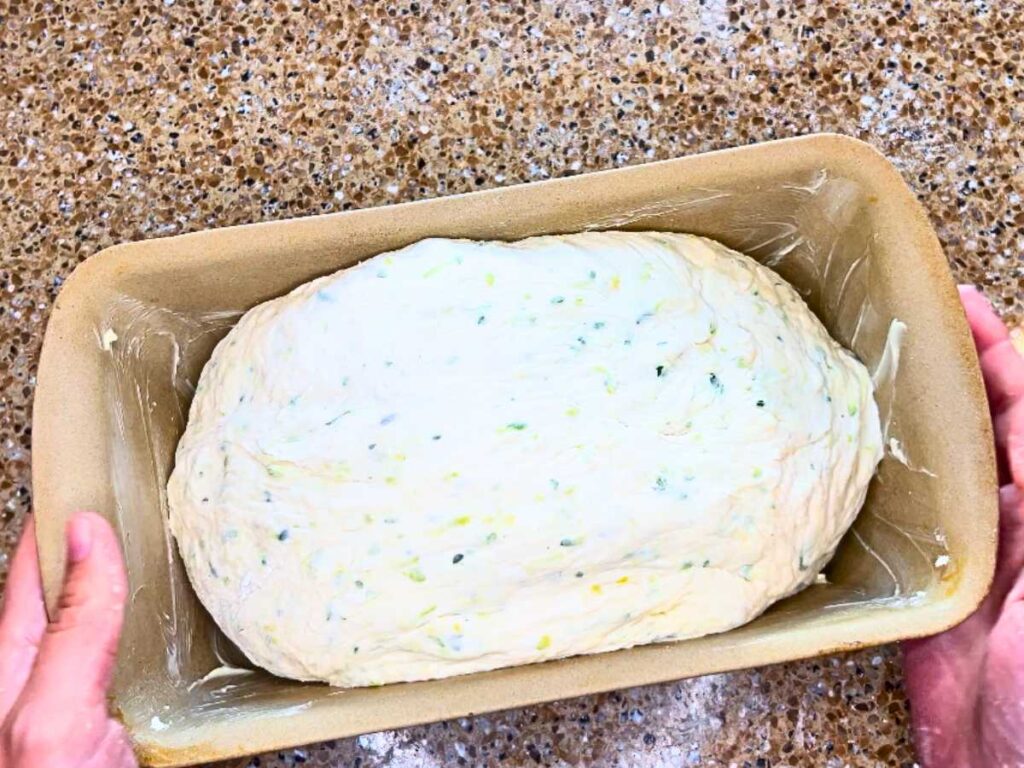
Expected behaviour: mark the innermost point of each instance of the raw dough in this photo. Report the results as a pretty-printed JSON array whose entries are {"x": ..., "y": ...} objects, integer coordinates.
[{"x": 468, "y": 455}]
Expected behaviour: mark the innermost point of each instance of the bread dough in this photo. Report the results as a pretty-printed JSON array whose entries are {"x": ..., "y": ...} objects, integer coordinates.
[{"x": 468, "y": 455}]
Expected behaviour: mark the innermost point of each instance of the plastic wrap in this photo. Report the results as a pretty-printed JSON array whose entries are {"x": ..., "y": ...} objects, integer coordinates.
[{"x": 181, "y": 684}]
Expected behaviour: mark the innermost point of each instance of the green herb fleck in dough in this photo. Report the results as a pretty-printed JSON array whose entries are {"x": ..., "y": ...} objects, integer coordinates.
[
  {"x": 336, "y": 418},
  {"x": 415, "y": 574}
]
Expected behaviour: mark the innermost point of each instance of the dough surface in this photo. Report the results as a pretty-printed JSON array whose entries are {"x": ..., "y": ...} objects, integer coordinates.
[{"x": 465, "y": 455}]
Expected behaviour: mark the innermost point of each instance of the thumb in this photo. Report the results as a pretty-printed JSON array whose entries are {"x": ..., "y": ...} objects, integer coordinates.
[{"x": 76, "y": 656}]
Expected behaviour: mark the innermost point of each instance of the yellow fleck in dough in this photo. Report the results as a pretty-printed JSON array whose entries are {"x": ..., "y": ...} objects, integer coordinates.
[{"x": 489, "y": 454}]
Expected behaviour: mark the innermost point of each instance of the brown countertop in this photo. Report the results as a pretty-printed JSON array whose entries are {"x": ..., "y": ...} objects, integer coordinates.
[{"x": 121, "y": 123}]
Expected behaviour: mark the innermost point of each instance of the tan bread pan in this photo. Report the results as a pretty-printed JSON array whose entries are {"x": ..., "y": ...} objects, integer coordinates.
[{"x": 133, "y": 326}]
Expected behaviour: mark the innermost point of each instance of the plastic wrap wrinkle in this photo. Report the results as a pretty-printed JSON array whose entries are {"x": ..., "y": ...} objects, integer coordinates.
[
  {"x": 895, "y": 449},
  {"x": 884, "y": 378},
  {"x": 155, "y": 351},
  {"x": 693, "y": 198},
  {"x": 897, "y": 590}
]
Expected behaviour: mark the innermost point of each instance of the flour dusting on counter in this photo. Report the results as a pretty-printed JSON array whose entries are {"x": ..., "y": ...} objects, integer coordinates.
[{"x": 463, "y": 456}]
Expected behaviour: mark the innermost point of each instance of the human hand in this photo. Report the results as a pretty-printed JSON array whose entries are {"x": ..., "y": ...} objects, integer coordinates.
[
  {"x": 54, "y": 676},
  {"x": 966, "y": 685}
]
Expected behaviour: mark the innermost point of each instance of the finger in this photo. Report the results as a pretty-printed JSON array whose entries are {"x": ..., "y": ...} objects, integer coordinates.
[
  {"x": 113, "y": 751},
  {"x": 1003, "y": 368},
  {"x": 1010, "y": 559},
  {"x": 24, "y": 615},
  {"x": 937, "y": 671},
  {"x": 1001, "y": 715},
  {"x": 1009, "y": 429},
  {"x": 1001, "y": 363},
  {"x": 1011, "y": 541},
  {"x": 76, "y": 655},
  {"x": 23, "y": 620},
  {"x": 985, "y": 324}
]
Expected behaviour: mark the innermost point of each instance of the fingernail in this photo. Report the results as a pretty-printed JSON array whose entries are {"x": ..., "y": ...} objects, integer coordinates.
[
  {"x": 964, "y": 287},
  {"x": 79, "y": 537}
]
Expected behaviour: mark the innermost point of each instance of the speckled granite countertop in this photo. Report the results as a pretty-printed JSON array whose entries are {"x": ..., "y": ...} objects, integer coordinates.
[{"x": 125, "y": 122}]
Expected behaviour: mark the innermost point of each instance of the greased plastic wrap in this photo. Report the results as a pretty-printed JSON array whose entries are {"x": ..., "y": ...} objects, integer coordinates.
[
  {"x": 826, "y": 213},
  {"x": 836, "y": 286}
]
